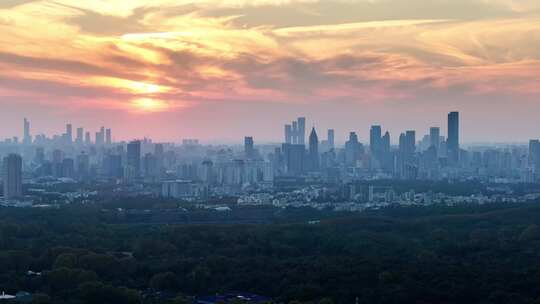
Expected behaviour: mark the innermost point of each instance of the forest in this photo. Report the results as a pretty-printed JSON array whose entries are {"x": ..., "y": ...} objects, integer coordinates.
[{"x": 437, "y": 254}]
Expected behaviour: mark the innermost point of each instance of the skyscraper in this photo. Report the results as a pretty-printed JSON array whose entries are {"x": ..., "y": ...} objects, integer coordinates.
[
  {"x": 434, "y": 137},
  {"x": 452, "y": 142},
  {"x": 331, "y": 138},
  {"x": 353, "y": 150},
  {"x": 133, "y": 169},
  {"x": 313, "y": 150},
  {"x": 249, "y": 151},
  {"x": 294, "y": 157},
  {"x": 295, "y": 132},
  {"x": 87, "y": 139},
  {"x": 301, "y": 130},
  {"x": 12, "y": 176},
  {"x": 27, "y": 138},
  {"x": 410, "y": 140},
  {"x": 80, "y": 135},
  {"x": 288, "y": 134},
  {"x": 385, "y": 142},
  {"x": 69, "y": 133},
  {"x": 83, "y": 166},
  {"x": 375, "y": 141},
  {"x": 534, "y": 154},
  {"x": 100, "y": 137},
  {"x": 108, "y": 136}
]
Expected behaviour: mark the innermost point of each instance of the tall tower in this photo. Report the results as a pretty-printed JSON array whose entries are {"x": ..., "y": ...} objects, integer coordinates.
[
  {"x": 295, "y": 132},
  {"x": 288, "y": 134},
  {"x": 133, "y": 160},
  {"x": 249, "y": 151},
  {"x": 301, "y": 122},
  {"x": 375, "y": 135},
  {"x": 434, "y": 137},
  {"x": 108, "y": 137},
  {"x": 87, "y": 139},
  {"x": 452, "y": 141},
  {"x": 12, "y": 176},
  {"x": 534, "y": 153},
  {"x": 80, "y": 135},
  {"x": 331, "y": 138},
  {"x": 27, "y": 138},
  {"x": 313, "y": 150},
  {"x": 69, "y": 133},
  {"x": 410, "y": 139}
]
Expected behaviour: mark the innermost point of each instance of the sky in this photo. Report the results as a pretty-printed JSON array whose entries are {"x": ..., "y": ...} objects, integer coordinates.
[{"x": 221, "y": 70}]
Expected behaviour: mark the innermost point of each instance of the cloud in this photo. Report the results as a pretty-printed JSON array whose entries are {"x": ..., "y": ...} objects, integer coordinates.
[
  {"x": 109, "y": 54},
  {"x": 7, "y": 4}
]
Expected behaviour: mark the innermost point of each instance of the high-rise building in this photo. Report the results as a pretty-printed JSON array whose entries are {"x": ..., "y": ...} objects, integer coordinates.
[
  {"x": 100, "y": 137},
  {"x": 434, "y": 137},
  {"x": 108, "y": 136},
  {"x": 12, "y": 176},
  {"x": 112, "y": 166},
  {"x": 452, "y": 141},
  {"x": 133, "y": 169},
  {"x": 407, "y": 143},
  {"x": 150, "y": 165},
  {"x": 375, "y": 135},
  {"x": 353, "y": 150},
  {"x": 387, "y": 160},
  {"x": 534, "y": 154},
  {"x": 39, "y": 157},
  {"x": 27, "y": 138},
  {"x": 69, "y": 133},
  {"x": 68, "y": 167},
  {"x": 313, "y": 151},
  {"x": 249, "y": 150},
  {"x": 288, "y": 134},
  {"x": 294, "y": 157},
  {"x": 301, "y": 122},
  {"x": 80, "y": 136},
  {"x": 83, "y": 166},
  {"x": 331, "y": 138},
  {"x": 87, "y": 138},
  {"x": 410, "y": 139},
  {"x": 385, "y": 142},
  {"x": 295, "y": 133}
]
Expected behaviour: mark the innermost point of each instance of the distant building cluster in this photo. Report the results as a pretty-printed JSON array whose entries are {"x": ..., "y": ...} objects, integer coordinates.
[{"x": 193, "y": 171}]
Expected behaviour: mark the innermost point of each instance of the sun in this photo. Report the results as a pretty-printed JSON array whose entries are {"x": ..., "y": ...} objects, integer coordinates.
[
  {"x": 146, "y": 88},
  {"x": 149, "y": 105}
]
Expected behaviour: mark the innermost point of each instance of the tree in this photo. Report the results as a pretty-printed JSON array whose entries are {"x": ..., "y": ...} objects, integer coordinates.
[{"x": 167, "y": 281}]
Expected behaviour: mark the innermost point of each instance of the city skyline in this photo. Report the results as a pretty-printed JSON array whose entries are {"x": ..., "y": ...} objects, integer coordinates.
[
  {"x": 294, "y": 133},
  {"x": 165, "y": 69}
]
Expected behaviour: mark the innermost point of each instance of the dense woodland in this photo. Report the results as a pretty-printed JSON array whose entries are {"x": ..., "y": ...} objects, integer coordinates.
[{"x": 463, "y": 254}]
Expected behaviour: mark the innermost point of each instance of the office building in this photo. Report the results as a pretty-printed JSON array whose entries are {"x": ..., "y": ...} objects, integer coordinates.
[
  {"x": 80, "y": 136},
  {"x": 249, "y": 151},
  {"x": 108, "y": 137},
  {"x": 331, "y": 139},
  {"x": 288, "y": 134},
  {"x": 434, "y": 137},
  {"x": 12, "y": 176},
  {"x": 452, "y": 141},
  {"x": 69, "y": 134},
  {"x": 27, "y": 138},
  {"x": 133, "y": 166},
  {"x": 301, "y": 122},
  {"x": 313, "y": 151}
]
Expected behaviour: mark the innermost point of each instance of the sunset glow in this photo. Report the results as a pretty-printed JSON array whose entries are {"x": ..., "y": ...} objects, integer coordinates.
[
  {"x": 382, "y": 58},
  {"x": 149, "y": 105}
]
